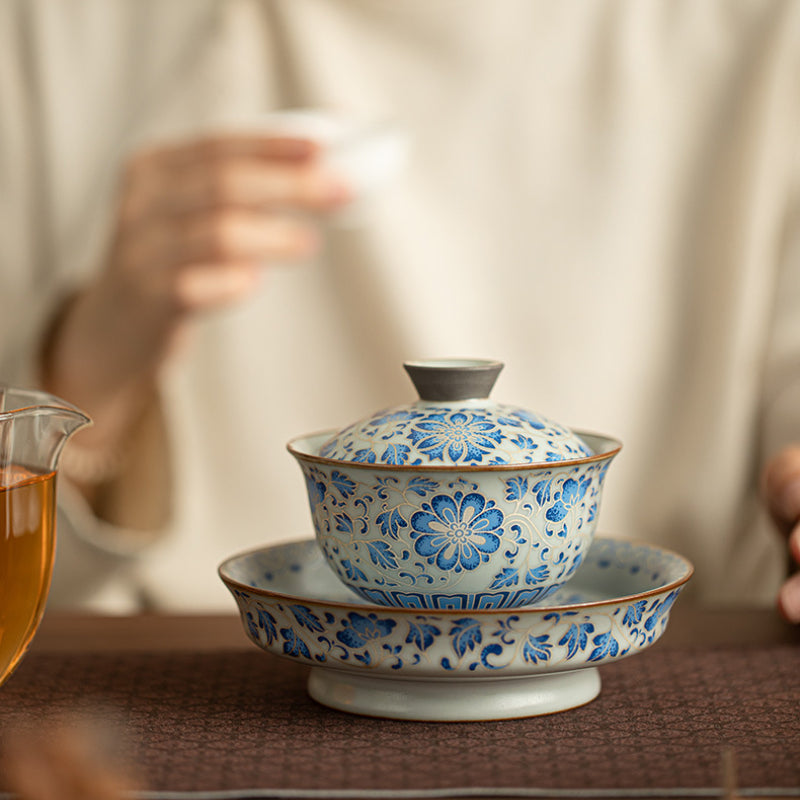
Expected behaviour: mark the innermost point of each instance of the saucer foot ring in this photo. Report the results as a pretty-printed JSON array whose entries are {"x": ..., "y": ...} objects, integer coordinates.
[{"x": 454, "y": 700}]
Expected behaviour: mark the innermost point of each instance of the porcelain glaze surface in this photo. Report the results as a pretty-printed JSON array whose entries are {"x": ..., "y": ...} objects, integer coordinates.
[
  {"x": 426, "y": 537},
  {"x": 292, "y": 605},
  {"x": 475, "y": 432},
  {"x": 454, "y": 501},
  {"x": 619, "y": 603}
]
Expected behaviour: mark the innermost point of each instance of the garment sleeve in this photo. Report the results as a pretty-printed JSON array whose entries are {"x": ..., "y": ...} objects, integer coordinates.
[
  {"x": 43, "y": 260},
  {"x": 94, "y": 559},
  {"x": 98, "y": 548}
]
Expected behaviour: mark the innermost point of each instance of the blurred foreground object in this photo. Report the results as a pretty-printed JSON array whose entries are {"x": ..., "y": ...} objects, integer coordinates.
[{"x": 71, "y": 759}]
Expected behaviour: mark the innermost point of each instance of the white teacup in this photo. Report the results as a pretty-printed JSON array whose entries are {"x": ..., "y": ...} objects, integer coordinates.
[{"x": 368, "y": 155}]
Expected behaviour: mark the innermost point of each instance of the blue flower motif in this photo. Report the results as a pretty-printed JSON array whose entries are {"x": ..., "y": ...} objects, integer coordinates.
[
  {"x": 316, "y": 489},
  {"x": 508, "y": 577},
  {"x": 345, "y": 485},
  {"x": 344, "y": 523},
  {"x": 606, "y": 646},
  {"x": 422, "y": 635},
  {"x": 524, "y": 442},
  {"x": 536, "y": 649},
  {"x": 267, "y": 623},
  {"x": 659, "y": 610},
  {"x": 542, "y": 491},
  {"x": 537, "y": 575},
  {"x": 359, "y": 631},
  {"x": 352, "y": 572},
  {"x": 382, "y": 555},
  {"x": 293, "y": 645},
  {"x": 466, "y": 635},
  {"x": 422, "y": 486},
  {"x": 576, "y": 638},
  {"x": 251, "y": 626},
  {"x": 306, "y": 618},
  {"x": 571, "y": 495},
  {"x": 396, "y": 454},
  {"x": 633, "y": 614},
  {"x": 391, "y": 521},
  {"x": 516, "y": 488},
  {"x": 465, "y": 437},
  {"x": 457, "y": 532}
]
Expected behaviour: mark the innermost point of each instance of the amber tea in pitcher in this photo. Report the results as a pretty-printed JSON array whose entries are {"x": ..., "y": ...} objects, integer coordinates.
[
  {"x": 26, "y": 557},
  {"x": 34, "y": 427}
]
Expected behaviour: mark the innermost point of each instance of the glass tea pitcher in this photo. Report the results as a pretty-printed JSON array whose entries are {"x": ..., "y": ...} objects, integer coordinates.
[{"x": 34, "y": 426}]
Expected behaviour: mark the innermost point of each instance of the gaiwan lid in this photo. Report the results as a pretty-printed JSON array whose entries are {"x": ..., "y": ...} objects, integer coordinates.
[{"x": 454, "y": 423}]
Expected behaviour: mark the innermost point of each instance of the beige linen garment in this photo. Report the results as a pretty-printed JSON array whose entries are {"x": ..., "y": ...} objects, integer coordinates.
[{"x": 603, "y": 195}]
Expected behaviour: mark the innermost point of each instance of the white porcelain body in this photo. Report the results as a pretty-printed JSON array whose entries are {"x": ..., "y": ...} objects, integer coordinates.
[
  {"x": 464, "y": 537},
  {"x": 451, "y": 665}
]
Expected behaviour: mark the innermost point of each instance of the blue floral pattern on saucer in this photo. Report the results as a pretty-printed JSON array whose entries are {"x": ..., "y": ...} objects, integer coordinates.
[{"x": 292, "y": 605}]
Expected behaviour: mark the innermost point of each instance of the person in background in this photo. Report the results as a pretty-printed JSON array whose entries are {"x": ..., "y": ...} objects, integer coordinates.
[{"x": 603, "y": 196}]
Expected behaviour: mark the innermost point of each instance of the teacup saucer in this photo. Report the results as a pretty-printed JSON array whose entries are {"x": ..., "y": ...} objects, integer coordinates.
[{"x": 456, "y": 665}]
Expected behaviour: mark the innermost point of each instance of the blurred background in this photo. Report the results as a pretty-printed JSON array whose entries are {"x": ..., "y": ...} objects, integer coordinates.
[{"x": 604, "y": 196}]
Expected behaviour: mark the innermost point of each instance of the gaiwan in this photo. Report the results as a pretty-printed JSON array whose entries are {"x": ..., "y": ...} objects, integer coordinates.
[{"x": 455, "y": 500}]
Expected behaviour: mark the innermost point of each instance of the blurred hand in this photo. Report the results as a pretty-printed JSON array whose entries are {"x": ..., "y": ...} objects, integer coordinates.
[
  {"x": 781, "y": 489},
  {"x": 62, "y": 762},
  {"x": 197, "y": 223}
]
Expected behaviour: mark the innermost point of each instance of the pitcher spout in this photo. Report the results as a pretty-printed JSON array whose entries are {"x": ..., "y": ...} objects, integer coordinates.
[{"x": 34, "y": 427}]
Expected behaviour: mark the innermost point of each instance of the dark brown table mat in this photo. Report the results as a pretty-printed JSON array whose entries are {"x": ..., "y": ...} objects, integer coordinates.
[{"x": 237, "y": 724}]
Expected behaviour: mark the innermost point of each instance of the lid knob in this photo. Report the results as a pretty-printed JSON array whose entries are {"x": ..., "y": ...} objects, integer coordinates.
[{"x": 453, "y": 379}]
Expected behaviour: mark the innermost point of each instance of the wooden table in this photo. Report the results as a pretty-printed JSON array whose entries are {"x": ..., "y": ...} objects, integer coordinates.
[{"x": 713, "y": 709}]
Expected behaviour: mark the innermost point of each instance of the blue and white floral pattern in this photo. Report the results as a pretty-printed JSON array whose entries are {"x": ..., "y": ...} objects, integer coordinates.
[
  {"x": 485, "y": 433},
  {"x": 456, "y": 437},
  {"x": 281, "y": 595},
  {"x": 422, "y": 538},
  {"x": 457, "y": 532}
]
